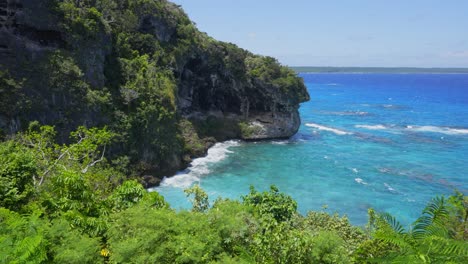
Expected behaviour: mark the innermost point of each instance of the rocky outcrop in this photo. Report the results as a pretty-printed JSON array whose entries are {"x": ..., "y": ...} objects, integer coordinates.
[{"x": 262, "y": 109}]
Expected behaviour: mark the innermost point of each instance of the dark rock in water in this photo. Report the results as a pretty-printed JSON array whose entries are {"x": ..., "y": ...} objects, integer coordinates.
[
  {"x": 150, "y": 180},
  {"x": 145, "y": 71}
]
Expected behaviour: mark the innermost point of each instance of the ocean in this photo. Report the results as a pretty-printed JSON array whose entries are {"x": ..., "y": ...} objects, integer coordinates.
[{"x": 385, "y": 141}]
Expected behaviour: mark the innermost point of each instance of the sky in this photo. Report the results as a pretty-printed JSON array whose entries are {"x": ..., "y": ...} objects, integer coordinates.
[{"x": 366, "y": 33}]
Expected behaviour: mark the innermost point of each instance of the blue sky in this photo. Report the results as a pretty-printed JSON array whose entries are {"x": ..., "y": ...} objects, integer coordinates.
[{"x": 410, "y": 33}]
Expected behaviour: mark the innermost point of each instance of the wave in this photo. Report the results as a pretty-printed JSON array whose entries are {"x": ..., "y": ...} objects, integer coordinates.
[
  {"x": 282, "y": 142},
  {"x": 348, "y": 113},
  {"x": 372, "y": 127},
  {"x": 390, "y": 188},
  {"x": 360, "y": 181},
  {"x": 329, "y": 129},
  {"x": 436, "y": 129},
  {"x": 393, "y": 107},
  {"x": 200, "y": 166},
  {"x": 422, "y": 129}
]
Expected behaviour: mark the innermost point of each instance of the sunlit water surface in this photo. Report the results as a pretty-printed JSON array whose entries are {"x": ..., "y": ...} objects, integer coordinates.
[{"x": 386, "y": 141}]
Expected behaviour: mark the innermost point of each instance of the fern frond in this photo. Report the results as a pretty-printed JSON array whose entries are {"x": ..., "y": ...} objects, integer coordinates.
[
  {"x": 395, "y": 239},
  {"x": 392, "y": 222},
  {"x": 437, "y": 210},
  {"x": 450, "y": 247},
  {"x": 432, "y": 221}
]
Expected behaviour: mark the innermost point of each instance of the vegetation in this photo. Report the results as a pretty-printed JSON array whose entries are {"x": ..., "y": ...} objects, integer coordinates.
[{"x": 69, "y": 204}]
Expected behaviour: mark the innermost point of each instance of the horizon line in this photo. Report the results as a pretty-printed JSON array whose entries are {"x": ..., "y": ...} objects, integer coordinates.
[{"x": 385, "y": 67}]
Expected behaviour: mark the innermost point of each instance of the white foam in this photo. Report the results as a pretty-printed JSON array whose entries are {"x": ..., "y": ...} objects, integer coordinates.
[
  {"x": 436, "y": 129},
  {"x": 390, "y": 188},
  {"x": 355, "y": 170},
  {"x": 283, "y": 142},
  {"x": 200, "y": 166},
  {"x": 348, "y": 113},
  {"x": 372, "y": 127},
  {"x": 413, "y": 128},
  {"x": 329, "y": 129},
  {"x": 361, "y": 113},
  {"x": 360, "y": 181},
  {"x": 183, "y": 180}
]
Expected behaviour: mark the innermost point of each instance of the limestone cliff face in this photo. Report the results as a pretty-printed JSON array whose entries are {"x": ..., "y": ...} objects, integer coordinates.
[
  {"x": 142, "y": 69},
  {"x": 263, "y": 108}
]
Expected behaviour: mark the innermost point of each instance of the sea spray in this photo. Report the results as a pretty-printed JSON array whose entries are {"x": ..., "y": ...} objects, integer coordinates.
[{"x": 200, "y": 166}]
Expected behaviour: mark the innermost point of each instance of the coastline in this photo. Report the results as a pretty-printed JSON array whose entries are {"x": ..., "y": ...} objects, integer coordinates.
[{"x": 198, "y": 167}]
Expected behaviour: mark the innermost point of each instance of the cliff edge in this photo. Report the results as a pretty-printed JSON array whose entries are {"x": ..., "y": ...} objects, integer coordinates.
[{"x": 141, "y": 68}]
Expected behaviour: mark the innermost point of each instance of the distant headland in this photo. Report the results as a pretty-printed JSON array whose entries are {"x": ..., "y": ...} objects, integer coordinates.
[{"x": 317, "y": 69}]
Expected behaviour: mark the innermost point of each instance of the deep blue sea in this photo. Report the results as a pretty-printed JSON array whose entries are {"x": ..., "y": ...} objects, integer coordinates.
[{"x": 386, "y": 141}]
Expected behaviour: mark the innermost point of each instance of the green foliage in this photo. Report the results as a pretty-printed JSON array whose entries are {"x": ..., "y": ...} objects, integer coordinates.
[
  {"x": 128, "y": 194},
  {"x": 80, "y": 20},
  {"x": 328, "y": 247},
  {"x": 324, "y": 222},
  {"x": 74, "y": 219},
  {"x": 21, "y": 238},
  {"x": 235, "y": 224},
  {"x": 17, "y": 172},
  {"x": 427, "y": 241},
  {"x": 65, "y": 76},
  {"x": 154, "y": 200},
  {"x": 12, "y": 99},
  {"x": 248, "y": 130},
  {"x": 68, "y": 245},
  {"x": 193, "y": 145},
  {"x": 161, "y": 236},
  {"x": 457, "y": 222},
  {"x": 217, "y": 128},
  {"x": 279, "y": 206},
  {"x": 268, "y": 70},
  {"x": 263, "y": 68},
  {"x": 87, "y": 151},
  {"x": 199, "y": 201}
]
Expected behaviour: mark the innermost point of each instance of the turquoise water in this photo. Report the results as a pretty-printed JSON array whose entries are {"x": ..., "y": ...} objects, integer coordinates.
[{"x": 386, "y": 141}]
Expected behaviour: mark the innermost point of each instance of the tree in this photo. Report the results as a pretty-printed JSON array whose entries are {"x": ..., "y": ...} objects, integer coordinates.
[
  {"x": 273, "y": 203},
  {"x": 88, "y": 149},
  {"x": 199, "y": 201}
]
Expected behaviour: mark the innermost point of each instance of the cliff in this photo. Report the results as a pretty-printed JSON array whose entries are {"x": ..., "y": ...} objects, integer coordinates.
[{"x": 141, "y": 68}]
